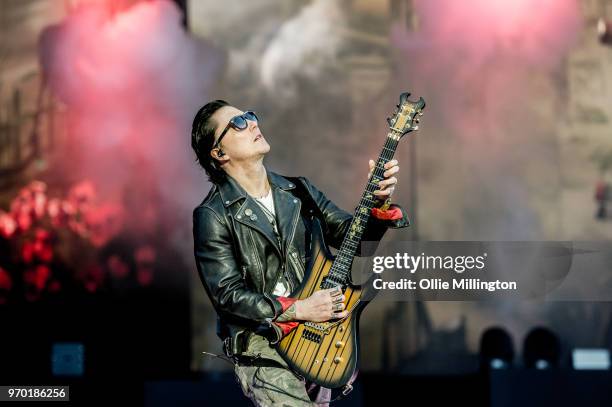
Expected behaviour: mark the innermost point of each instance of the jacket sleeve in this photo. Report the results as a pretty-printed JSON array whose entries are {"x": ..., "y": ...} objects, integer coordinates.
[
  {"x": 339, "y": 220},
  {"x": 221, "y": 275}
]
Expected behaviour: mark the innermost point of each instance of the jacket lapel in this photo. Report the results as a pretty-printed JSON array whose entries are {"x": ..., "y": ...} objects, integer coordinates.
[
  {"x": 287, "y": 208},
  {"x": 245, "y": 210},
  {"x": 249, "y": 213}
]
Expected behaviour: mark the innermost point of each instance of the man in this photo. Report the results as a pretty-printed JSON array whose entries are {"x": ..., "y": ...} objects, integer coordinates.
[{"x": 251, "y": 237}]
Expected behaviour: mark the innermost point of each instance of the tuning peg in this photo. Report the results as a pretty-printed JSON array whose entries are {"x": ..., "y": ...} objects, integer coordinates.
[
  {"x": 416, "y": 120},
  {"x": 389, "y": 121},
  {"x": 420, "y": 113},
  {"x": 415, "y": 128}
]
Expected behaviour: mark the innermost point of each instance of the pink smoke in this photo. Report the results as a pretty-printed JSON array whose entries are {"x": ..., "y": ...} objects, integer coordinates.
[
  {"x": 132, "y": 82},
  {"x": 535, "y": 32},
  {"x": 479, "y": 51}
]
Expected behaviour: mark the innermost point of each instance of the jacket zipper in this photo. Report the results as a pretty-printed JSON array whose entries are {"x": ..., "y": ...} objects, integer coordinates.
[
  {"x": 258, "y": 261},
  {"x": 285, "y": 267},
  {"x": 298, "y": 264},
  {"x": 290, "y": 255}
]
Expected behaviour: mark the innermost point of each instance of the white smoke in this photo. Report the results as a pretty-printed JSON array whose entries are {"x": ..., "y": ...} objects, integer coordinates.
[{"x": 305, "y": 45}]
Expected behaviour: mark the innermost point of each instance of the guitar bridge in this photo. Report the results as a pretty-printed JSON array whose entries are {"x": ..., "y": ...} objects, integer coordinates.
[{"x": 311, "y": 336}]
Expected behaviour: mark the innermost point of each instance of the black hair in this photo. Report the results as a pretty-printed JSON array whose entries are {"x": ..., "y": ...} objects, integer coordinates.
[{"x": 203, "y": 138}]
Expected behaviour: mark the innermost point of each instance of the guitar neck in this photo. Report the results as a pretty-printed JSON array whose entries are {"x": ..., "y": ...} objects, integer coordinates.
[{"x": 341, "y": 268}]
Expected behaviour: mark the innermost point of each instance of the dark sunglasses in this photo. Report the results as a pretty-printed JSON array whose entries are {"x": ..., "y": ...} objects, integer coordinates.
[{"x": 237, "y": 123}]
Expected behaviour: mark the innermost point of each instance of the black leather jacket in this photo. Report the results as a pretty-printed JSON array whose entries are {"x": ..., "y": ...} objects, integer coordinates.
[{"x": 239, "y": 259}]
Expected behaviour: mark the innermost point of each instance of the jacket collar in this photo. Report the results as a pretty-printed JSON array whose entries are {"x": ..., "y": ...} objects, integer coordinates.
[{"x": 231, "y": 191}]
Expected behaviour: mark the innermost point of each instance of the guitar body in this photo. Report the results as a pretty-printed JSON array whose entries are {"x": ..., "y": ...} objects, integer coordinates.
[{"x": 324, "y": 352}]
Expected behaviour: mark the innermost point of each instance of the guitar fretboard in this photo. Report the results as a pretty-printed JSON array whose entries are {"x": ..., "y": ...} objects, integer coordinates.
[{"x": 340, "y": 270}]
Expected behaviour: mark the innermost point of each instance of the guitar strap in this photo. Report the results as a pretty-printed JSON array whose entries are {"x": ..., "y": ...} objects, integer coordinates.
[{"x": 308, "y": 203}]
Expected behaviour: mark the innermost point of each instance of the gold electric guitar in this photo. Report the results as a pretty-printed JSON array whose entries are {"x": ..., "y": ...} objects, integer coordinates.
[{"x": 326, "y": 352}]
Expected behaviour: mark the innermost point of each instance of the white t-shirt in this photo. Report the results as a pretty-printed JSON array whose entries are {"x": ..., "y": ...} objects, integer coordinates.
[{"x": 281, "y": 288}]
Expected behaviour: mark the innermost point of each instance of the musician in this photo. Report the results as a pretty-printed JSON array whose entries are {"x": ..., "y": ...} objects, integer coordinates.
[{"x": 251, "y": 237}]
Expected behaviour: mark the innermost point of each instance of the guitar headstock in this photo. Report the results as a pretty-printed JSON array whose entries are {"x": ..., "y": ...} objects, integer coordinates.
[{"x": 406, "y": 117}]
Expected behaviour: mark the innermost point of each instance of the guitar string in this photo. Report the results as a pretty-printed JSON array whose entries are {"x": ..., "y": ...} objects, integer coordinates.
[
  {"x": 344, "y": 252},
  {"x": 379, "y": 170},
  {"x": 387, "y": 153}
]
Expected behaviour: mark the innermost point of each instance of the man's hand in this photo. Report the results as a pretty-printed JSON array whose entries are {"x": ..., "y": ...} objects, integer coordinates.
[
  {"x": 321, "y": 306},
  {"x": 387, "y": 185}
]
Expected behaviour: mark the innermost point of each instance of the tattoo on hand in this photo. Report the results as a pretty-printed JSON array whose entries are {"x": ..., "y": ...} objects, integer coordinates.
[{"x": 288, "y": 315}]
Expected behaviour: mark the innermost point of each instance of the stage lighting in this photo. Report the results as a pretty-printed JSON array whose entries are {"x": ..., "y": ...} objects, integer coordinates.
[
  {"x": 496, "y": 349},
  {"x": 604, "y": 31},
  {"x": 67, "y": 359},
  {"x": 591, "y": 359},
  {"x": 541, "y": 349}
]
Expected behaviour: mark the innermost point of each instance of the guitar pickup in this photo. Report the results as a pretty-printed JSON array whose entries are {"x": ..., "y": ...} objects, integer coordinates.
[{"x": 329, "y": 282}]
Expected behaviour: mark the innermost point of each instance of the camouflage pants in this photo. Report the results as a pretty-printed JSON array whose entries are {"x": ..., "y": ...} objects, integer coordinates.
[{"x": 275, "y": 385}]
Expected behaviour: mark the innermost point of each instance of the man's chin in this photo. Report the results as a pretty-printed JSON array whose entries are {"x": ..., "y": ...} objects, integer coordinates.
[{"x": 264, "y": 148}]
